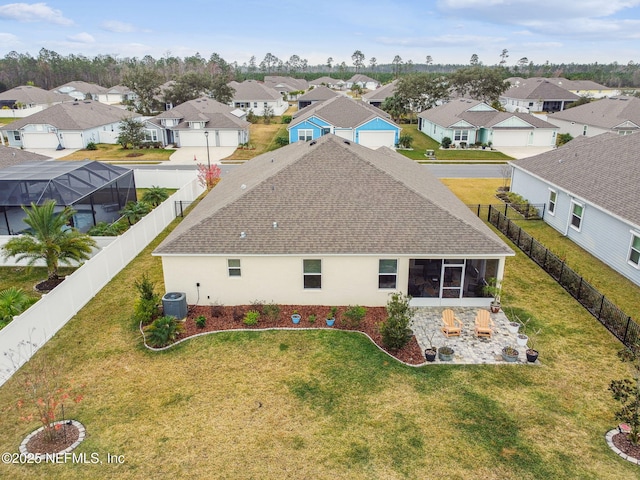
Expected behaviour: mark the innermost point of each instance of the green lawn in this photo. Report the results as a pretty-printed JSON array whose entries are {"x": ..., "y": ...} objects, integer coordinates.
[
  {"x": 329, "y": 404},
  {"x": 116, "y": 152}
]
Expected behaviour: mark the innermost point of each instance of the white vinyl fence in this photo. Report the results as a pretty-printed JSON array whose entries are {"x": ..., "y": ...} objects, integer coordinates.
[{"x": 28, "y": 332}]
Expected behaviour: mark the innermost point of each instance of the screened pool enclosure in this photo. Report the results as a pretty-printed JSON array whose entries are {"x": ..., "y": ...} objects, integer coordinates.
[{"x": 97, "y": 191}]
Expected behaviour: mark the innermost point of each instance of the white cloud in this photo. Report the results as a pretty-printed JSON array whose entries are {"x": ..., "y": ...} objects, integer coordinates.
[
  {"x": 8, "y": 39},
  {"x": 539, "y": 8},
  {"x": 83, "y": 37},
  {"x": 117, "y": 26},
  {"x": 33, "y": 12},
  {"x": 441, "y": 40}
]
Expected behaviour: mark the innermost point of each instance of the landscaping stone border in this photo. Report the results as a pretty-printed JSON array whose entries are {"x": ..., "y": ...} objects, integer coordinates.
[
  {"x": 82, "y": 432},
  {"x": 616, "y": 450}
]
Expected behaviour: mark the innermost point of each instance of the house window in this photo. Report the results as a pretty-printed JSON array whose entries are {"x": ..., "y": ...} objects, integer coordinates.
[
  {"x": 265, "y": 105},
  {"x": 531, "y": 104},
  {"x": 552, "y": 202},
  {"x": 387, "y": 273},
  {"x": 255, "y": 104},
  {"x": 305, "y": 135},
  {"x": 460, "y": 135},
  {"x": 325, "y": 131},
  {"x": 16, "y": 135},
  {"x": 312, "y": 270},
  {"x": 584, "y": 130},
  {"x": 634, "y": 254},
  {"x": 576, "y": 215},
  {"x": 150, "y": 136},
  {"x": 233, "y": 266}
]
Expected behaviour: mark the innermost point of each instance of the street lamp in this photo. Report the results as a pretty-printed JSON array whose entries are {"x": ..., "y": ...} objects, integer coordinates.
[{"x": 206, "y": 136}]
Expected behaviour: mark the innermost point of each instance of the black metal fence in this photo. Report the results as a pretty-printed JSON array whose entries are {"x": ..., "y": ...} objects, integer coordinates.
[
  {"x": 614, "y": 319},
  {"x": 180, "y": 206}
]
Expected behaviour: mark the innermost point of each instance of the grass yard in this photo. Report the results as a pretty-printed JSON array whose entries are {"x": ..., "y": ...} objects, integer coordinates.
[
  {"x": 262, "y": 139},
  {"x": 328, "y": 404},
  {"x": 116, "y": 152},
  {"x": 7, "y": 120},
  {"x": 422, "y": 142}
]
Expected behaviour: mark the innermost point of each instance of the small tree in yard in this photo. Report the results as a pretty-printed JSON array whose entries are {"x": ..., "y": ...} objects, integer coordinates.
[
  {"x": 147, "y": 306},
  {"x": 155, "y": 195},
  {"x": 627, "y": 392},
  {"x": 208, "y": 176},
  {"x": 268, "y": 114},
  {"x": 131, "y": 133},
  {"x": 395, "y": 329}
]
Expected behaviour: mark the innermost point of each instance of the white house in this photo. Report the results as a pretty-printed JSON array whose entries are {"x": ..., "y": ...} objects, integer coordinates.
[
  {"x": 117, "y": 94},
  {"x": 590, "y": 188},
  {"x": 582, "y": 88},
  {"x": 331, "y": 222},
  {"x": 255, "y": 96},
  {"x": 536, "y": 95},
  {"x": 362, "y": 81},
  {"x": 20, "y": 102},
  {"x": 79, "y": 90}
]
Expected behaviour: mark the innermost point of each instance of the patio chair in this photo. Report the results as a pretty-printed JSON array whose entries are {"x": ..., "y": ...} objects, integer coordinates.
[
  {"x": 484, "y": 324},
  {"x": 452, "y": 325}
]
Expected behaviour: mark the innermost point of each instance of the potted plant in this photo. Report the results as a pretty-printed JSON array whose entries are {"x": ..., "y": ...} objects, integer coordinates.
[
  {"x": 331, "y": 316},
  {"x": 494, "y": 289},
  {"x": 295, "y": 318},
  {"x": 522, "y": 338},
  {"x": 532, "y": 353},
  {"x": 513, "y": 327},
  {"x": 431, "y": 352},
  {"x": 445, "y": 353},
  {"x": 509, "y": 354}
]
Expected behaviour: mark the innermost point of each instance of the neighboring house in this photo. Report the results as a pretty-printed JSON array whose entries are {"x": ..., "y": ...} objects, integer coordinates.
[
  {"x": 331, "y": 223},
  {"x": 583, "y": 88},
  {"x": 68, "y": 125},
  {"x": 15, "y": 156},
  {"x": 469, "y": 122},
  {"x": 590, "y": 188},
  {"x": 188, "y": 125},
  {"x": 79, "y": 90},
  {"x": 255, "y": 96},
  {"x": 160, "y": 96},
  {"x": 325, "y": 81},
  {"x": 355, "y": 121},
  {"x": 362, "y": 81},
  {"x": 620, "y": 115},
  {"x": 379, "y": 95},
  {"x": 20, "y": 102},
  {"x": 96, "y": 191},
  {"x": 117, "y": 94},
  {"x": 286, "y": 85},
  {"x": 315, "y": 95},
  {"x": 536, "y": 95}
]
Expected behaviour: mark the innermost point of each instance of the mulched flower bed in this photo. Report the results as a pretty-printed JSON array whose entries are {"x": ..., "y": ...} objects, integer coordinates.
[
  {"x": 49, "y": 284},
  {"x": 63, "y": 438},
  {"x": 623, "y": 444},
  {"x": 231, "y": 317}
]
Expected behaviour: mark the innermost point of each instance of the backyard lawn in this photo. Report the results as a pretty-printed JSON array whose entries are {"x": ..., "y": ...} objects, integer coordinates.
[
  {"x": 108, "y": 152},
  {"x": 329, "y": 404},
  {"x": 262, "y": 140}
]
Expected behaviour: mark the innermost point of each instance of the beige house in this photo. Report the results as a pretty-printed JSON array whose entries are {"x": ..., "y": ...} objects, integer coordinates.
[{"x": 330, "y": 222}]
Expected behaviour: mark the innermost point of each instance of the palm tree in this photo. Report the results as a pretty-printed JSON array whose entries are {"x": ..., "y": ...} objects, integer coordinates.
[
  {"x": 13, "y": 301},
  {"x": 134, "y": 211},
  {"x": 155, "y": 195},
  {"x": 49, "y": 239}
]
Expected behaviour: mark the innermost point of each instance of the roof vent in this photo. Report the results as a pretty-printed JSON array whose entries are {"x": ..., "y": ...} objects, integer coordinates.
[
  {"x": 312, "y": 143},
  {"x": 243, "y": 186},
  {"x": 275, "y": 224},
  {"x": 243, "y": 235},
  {"x": 347, "y": 142}
]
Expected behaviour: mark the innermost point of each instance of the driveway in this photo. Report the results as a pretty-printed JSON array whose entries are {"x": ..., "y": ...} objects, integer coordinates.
[
  {"x": 523, "y": 152},
  {"x": 52, "y": 152},
  {"x": 186, "y": 155}
]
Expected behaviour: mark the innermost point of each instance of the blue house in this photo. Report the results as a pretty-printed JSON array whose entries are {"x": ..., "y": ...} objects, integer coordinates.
[{"x": 355, "y": 121}]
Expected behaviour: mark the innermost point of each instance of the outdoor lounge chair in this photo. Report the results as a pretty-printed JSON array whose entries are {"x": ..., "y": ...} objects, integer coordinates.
[
  {"x": 452, "y": 325},
  {"x": 484, "y": 324}
]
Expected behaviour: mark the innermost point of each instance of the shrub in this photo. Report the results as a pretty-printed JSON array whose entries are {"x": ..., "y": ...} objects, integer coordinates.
[
  {"x": 563, "y": 138},
  {"x": 395, "y": 329},
  {"x": 286, "y": 119},
  {"x": 201, "y": 321},
  {"x": 446, "y": 142},
  {"x": 91, "y": 146},
  {"x": 405, "y": 141},
  {"x": 251, "y": 318},
  {"x": 312, "y": 318},
  {"x": 147, "y": 306},
  {"x": 103, "y": 229},
  {"x": 217, "y": 310},
  {"x": 238, "y": 314},
  {"x": 354, "y": 315},
  {"x": 258, "y": 306},
  {"x": 282, "y": 141},
  {"x": 163, "y": 331},
  {"x": 271, "y": 311}
]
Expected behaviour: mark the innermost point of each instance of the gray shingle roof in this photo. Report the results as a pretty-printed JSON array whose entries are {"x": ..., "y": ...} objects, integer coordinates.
[
  {"x": 342, "y": 112},
  {"x": 206, "y": 109},
  {"x": 331, "y": 197},
  {"x": 326, "y": 80},
  {"x": 10, "y": 156},
  {"x": 604, "y": 170},
  {"x": 538, "y": 89},
  {"x": 74, "y": 116},
  {"x": 380, "y": 94},
  {"x": 605, "y": 113},
  {"x": 359, "y": 77},
  {"x": 30, "y": 95},
  {"x": 571, "y": 85},
  {"x": 83, "y": 87},
  {"x": 318, "y": 94},
  {"x": 253, "y": 91},
  {"x": 288, "y": 83}
]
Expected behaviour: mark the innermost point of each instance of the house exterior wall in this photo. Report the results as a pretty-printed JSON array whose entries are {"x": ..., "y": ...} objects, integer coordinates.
[
  {"x": 521, "y": 105},
  {"x": 315, "y": 124},
  {"x": 383, "y": 127},
  {"x": 217, "y": 138},
  {"x": 576, "y": 129},
  {"x": 602, "y": 234},
  {"x": 279, "y": 106}
]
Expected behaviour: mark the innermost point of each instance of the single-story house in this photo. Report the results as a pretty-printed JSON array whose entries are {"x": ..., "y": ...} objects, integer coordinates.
[
  {"x": 286, "y": 85},
  {"x": 117, "y": 94},
  {"x": 590, "y": 188},
  {"x": 379, "y": 95},
  {"x": 583, "y": 88},
  {"x": 96, "y": 191},
  {"x": 468, "y": 122},
  {"x": 325, "y": 81},
  {"x": 79, "y": 90},
  {"x": 20, "y": 102},
  {"x": 196, "y": 122},
  {"x": 10, "y": 156},
  {"x": 358, "y": 122},
  {"x": 296, "y": 226},
  {"x": 67, "y": 125},
  {"x": 536, "y": 95},
  {"x": 362, "y": 81},
  {"x": 620, "y": 115},
  {"x": 315, "y": 95},
  {"x": 255, "y": 96}
]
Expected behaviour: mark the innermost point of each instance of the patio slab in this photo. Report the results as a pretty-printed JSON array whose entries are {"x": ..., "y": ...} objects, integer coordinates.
[{"x": 468, "y": 349}]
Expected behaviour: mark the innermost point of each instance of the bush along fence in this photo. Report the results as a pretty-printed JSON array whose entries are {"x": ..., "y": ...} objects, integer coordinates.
[{"x": 613, "y": 318}]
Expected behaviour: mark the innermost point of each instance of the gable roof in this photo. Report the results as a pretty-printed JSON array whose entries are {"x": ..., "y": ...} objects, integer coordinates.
[
  {"x": 538, "y": 89},
  {"x": 606, "y": 113},
  {"x": 289, "y": 84},
  {"x": 214, "y": 113},
  {"x": 603, "y": 170},
  {"x": 318, "y": 94},
  {"x": 322, "y": 195},
  {"x": 571, "y": 85},
  {"x": 10, "y": 156},
  {"x": 326, "y": 80},
  {"x": 250, "y": 90},
  {"x": 74, "y": 116},
  {"x": 359, "y": 77},
  {"x": 31, "y": 95},
  {"x": 381, "y": 94},
  {"x": 80, "y": 86},
  {"x": 341, "y": 111}
]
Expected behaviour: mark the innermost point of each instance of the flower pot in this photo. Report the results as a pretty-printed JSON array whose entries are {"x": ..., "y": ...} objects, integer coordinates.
[
  {"x": 330, "y": 322},
  {"x": 532, "y": 355},
  {"x": 295, "y": 318},
  {"x": 445, "y": 355},
  {"x": 510, "y": 356},
  {"x": 494, "y": 307},
  {"x": 513, "y": 327},
  {"x": 430, "y": 355},
  {"x": 522, "y": 340}
]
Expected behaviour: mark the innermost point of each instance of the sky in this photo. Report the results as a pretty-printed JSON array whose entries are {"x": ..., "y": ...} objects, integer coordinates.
[{"x": 449, "y": 31}]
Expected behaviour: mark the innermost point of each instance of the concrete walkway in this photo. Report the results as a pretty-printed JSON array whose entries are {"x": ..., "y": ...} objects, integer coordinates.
[
  {"x": 185, "y": 155},
  {"x": 468, "y": 349}
]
